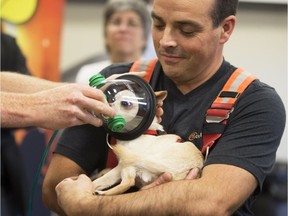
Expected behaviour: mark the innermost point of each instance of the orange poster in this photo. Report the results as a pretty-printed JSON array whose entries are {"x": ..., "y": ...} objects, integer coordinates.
[{"x": 37, "y": 25}]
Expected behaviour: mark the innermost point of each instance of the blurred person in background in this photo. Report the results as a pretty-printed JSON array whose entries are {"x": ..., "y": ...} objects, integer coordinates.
[{"x": 126, "y": 30}]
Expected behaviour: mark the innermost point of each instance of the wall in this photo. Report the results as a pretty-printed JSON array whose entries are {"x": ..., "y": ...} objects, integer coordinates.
[
  {"x": 258, "y": 44},
  {"x": 82, "y": 33}
]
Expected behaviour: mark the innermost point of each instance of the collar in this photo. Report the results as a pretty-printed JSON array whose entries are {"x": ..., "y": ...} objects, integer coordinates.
[
  {"x": 155, "y": 132},
  {"x": 158, "y": 133}
]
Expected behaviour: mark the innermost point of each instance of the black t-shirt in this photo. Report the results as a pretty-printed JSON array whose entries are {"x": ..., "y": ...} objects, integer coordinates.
[
  {"x": 12, "y": 58},
  {"x": 250, "y": 139}
]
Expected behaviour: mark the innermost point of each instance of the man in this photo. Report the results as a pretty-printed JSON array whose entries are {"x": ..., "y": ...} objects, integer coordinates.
[{"x": 189, "y": 36}]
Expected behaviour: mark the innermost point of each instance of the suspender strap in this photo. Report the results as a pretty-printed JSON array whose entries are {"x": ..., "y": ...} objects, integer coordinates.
[
  {"x": 137, "y": 66},
  {"x": 235, "y": 86},
  {"x": 223, "y": 105},
  {"x": 144, "y": 65}
]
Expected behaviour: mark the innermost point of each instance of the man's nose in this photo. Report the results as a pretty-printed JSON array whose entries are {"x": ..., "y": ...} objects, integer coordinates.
[{"x": 168, "y": 39}]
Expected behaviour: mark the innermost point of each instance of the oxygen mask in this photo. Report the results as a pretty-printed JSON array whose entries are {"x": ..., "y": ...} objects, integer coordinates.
[{"x": 134, "y": 102}]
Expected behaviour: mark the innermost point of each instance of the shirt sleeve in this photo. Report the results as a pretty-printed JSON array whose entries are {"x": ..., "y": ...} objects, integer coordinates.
[
  {"x": 85, "y": 145},
  {"x": 253, "y": 132}
]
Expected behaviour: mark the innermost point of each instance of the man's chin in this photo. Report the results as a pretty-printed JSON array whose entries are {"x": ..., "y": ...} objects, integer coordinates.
[{"x": 170, "y": 70}]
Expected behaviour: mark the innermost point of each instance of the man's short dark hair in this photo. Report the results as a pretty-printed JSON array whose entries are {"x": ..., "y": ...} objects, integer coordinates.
[{"x": 223, "y": 9}]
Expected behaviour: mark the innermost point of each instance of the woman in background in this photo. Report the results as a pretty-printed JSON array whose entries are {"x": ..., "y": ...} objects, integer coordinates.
[{"x": 126, "y": 29}]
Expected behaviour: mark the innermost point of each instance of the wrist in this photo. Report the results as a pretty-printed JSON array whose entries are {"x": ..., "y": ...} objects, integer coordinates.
[
  {"x": 86, "y": 206},
  {"x": 16, "y": 110},
  {"x": 34, "y": 110}
]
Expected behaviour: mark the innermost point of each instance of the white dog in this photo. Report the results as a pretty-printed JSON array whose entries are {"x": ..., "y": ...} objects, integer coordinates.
[{"x": 145, "y": 158}]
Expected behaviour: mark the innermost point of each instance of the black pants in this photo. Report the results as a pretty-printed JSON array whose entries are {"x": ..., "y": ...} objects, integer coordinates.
[{"x": 14, "y": 191}]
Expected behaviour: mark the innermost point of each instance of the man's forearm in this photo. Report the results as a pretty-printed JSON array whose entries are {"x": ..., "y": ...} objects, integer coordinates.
[
  {"x": 219, "y": 192},
  {"x": 15, "y": 82},
  {"x": 167, "y": 199},
  {"x": 15, "y": 110}
]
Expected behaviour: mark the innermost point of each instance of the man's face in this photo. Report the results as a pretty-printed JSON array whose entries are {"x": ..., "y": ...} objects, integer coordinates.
[{"x": 185, "y": 41}]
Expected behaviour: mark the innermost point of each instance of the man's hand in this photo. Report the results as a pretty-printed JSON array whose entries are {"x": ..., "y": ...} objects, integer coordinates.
[
  {"x": 56, "y": 108},
  {"x": 70, "y": 105},
  {"x": 72, "y": 192},
  {"x": 166, "y": 177}
]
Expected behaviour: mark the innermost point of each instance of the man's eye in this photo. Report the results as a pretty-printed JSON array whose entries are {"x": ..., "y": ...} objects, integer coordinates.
[
  {"x": 126, "y": 104},
  {"x": 158, "y": 25},
  {"x": 188, "y": 33}
]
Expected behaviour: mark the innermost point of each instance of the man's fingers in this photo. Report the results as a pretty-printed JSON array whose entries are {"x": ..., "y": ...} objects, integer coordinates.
[
  {"x": 85, "y": 116},
  {"x": 74, "y": 177},
  {"x": 93, "y": 93},
  {"x": 94, "y": 121},
  {"x": 164, "y": 178},
  {"x": 98, "y": 107},
  {"x": 84, "y": 177}
]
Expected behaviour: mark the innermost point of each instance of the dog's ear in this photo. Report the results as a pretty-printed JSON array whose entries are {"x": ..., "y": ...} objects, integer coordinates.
[{"x": 160, "y": 96}]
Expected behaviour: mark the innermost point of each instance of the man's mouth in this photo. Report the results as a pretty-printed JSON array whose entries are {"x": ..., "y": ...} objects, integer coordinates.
[{"x": 170, "y": 59}]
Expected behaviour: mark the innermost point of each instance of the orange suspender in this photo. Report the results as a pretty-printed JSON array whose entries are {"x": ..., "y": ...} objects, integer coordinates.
[
  {"x": 147, "y": 65},
  {"x": 223, "y": 105},
  {"x": 219, "y": 111},
  {"x": 237, "y": 83}
]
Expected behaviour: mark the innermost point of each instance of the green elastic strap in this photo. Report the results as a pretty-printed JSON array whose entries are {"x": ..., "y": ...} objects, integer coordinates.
[{"x": 116, "y": 124}]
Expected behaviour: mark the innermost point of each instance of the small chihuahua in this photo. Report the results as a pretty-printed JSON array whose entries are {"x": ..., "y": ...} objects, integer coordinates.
[{"x": 145, "y": 158}]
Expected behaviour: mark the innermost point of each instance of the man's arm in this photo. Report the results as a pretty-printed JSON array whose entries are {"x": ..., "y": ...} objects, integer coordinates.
[
  {"x": 19, "y": 83},
  {"x": 221, "y": 190},
  {"x": 16, "y": 82},
  {"x": 60, "y": 107},
  {"x": 53, "y": 177}
]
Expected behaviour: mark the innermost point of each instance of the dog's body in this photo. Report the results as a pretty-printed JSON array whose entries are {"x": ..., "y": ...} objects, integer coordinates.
[{"x": 145, "y": 158}]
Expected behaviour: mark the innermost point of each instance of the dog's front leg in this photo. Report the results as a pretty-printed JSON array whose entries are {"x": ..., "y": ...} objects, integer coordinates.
[
  {"x": 110, "y": 178},
  {"x": 128, "y": 176}
]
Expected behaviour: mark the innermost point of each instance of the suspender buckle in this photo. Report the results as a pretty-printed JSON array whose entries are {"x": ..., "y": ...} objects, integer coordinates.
[
  {"x": 217, "y": 115},
  {"x": 229, "y": 94}
]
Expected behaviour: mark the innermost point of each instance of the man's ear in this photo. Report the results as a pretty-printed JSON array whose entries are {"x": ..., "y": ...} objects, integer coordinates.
[
  {"x": 228, "y": 25},
  {"x": 160, "y": 96}
]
